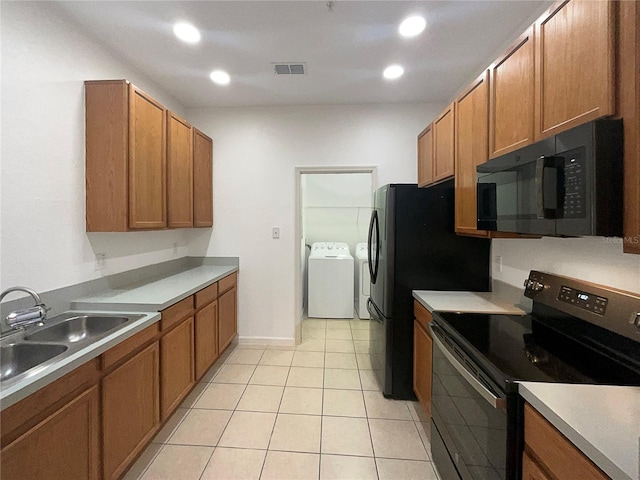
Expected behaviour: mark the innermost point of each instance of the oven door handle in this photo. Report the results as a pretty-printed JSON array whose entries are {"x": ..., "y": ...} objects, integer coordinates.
[{"x": 496, "y": 402}]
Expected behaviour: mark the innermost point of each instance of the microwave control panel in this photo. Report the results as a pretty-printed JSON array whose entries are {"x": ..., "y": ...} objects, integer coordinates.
[
  {"x": 575, "y": 188},
  {"x": 587, "y": 301}
]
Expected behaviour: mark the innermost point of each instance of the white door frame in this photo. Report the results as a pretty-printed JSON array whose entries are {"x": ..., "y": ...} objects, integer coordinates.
[{"x": 299, "y": 171}]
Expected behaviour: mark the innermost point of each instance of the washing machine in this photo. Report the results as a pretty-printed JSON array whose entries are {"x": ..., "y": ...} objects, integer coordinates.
[
  {"x": 330, "y": 280},
  {"x": 363, "y": 280}
]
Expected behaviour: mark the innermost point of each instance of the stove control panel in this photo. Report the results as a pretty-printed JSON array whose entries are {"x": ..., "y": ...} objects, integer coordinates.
[
  {"x": 615, "y": 310},
  {"x": 587, "y": 301}
]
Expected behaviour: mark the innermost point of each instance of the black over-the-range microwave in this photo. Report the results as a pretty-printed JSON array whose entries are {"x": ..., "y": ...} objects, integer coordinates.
[{"x": 566, "y": 185}]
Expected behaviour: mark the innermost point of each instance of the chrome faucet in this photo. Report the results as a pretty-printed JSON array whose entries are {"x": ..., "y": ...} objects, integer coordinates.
[{"x": 26, "y": 316}]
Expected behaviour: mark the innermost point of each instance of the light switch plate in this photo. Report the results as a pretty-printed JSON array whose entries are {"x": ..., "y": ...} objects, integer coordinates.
[{"x": 275, "y": 233}]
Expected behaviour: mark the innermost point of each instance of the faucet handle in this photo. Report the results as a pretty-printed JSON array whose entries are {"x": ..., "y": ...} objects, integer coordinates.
[{"x": 27, "y": 316}]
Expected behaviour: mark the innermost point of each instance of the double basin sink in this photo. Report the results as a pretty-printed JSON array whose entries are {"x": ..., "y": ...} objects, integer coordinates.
[{"x": 22, "y": 352}]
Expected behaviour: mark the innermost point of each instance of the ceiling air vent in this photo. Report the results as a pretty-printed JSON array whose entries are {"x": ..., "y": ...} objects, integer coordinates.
[{"x": 290, "y": 68}]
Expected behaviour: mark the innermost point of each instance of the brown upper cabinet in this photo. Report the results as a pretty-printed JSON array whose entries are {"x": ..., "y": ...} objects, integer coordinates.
[
  {"x": 512, "y": 96},
  {"x": 575, "y": 65},
  {"x": 436, "y": 149},
  {"x": 140, "y": 163},
  {"x": 202, "y": 180},
  {"x": 628, "y": 76},
  {"x": 471, "y": 136},
  {"x": 147, "y": 161},
  {"x": 444, "y": 145},
  {"x": 179, "y": 171},
  {"x": 559, "y": 74},
  {"x": 425, "y": 157}
]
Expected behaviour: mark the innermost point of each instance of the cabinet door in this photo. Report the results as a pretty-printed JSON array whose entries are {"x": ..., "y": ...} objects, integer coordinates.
[
  {"x": 472, "y": 136},
  {"x": 206, "y": 338},
  {"x": 147, "y": 161},
  {"x": 422, "y": 349},
  {"x": 64, "y": 446},
  {"x": 425, "y": 157},
  {"x": 106, "y": 155},
  {"x": 443, "y": 145},
  {"x": 179, "y": 172},
  {"x": 512, "y": 96},
  {"x": 531, "y": 470},
  {"x": 177, "y": 366},
  {"x": 130, "y": 410},
  {"x": 575, "y": 54},
  {"x": 227, "y": 319},
  {"x": 628, "y": 94},
  {"x": 203, "y": 180}
]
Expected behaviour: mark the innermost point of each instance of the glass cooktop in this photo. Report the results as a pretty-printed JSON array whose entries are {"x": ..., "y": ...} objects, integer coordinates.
[{"x": 511, "y": 347}]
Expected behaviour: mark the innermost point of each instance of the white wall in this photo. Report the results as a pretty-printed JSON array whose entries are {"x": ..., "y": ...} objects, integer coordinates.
[
  {"x": 44, "y": 245},
  {"x": 336, "y": 207},
  {"x": 594, "y": 259},
  {"x": 255, "y": 151}
]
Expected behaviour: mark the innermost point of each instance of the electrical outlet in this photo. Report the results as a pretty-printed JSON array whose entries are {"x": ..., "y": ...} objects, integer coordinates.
[
  {"x": 275, "y": 233},
  {"x": 499, "y": 263},
  {"x": 101, "y": 262}
]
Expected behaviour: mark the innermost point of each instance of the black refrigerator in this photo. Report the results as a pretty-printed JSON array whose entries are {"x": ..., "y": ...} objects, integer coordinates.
[{"x": 413, "y": 246}]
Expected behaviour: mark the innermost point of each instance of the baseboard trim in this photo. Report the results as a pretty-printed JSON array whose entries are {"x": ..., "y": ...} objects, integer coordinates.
[{"x": 281, "y": 341}]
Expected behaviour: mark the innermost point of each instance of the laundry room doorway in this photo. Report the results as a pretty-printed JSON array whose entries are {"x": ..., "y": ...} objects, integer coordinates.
[{"x": 333, "y": 208}]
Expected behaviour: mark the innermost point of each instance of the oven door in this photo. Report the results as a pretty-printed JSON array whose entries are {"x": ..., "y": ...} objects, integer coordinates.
[{"x": 469, "y": 420}]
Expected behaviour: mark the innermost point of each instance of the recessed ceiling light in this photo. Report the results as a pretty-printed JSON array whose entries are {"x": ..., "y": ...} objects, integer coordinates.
[
  {"x": 220, "y": 77},
  {"x": 412, "y": 26},
  {"x": 186, "y": 32},
  {"x": 393, "y": 71}
]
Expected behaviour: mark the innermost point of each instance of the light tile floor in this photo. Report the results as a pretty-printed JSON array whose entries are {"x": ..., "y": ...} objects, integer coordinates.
[{"x": 308, "y": 412}]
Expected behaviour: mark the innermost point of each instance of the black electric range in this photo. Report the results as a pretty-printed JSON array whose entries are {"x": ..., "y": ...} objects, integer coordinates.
[{"x": 577, "y": 332}]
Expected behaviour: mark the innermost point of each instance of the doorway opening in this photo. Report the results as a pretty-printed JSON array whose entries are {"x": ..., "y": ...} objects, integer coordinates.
[{"x": 333, "y": 208}]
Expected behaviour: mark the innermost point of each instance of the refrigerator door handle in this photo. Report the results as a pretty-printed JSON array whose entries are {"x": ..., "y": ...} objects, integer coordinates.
[
  {"x": 373, "y": 312},
  {"x": 373, "y": 262}
]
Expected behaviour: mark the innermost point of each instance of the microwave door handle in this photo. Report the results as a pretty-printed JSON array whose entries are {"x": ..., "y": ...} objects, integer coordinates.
[
  {"x": 496, "y": 402},
  {"x": 540, "y": 187},
  {"x": 547, "y": 194}
]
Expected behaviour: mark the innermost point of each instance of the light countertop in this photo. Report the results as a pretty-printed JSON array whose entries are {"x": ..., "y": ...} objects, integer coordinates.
[
  {"x": 472, "y": 302},
  {"x": 49, "y": 372},
  {"x": 147, "y": 297},
  {"x": 156, "y": 294},
  {"x": 602, "y": 421}
]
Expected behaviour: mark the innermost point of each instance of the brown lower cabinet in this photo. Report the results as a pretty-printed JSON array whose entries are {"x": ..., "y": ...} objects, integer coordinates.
[
  {"x": 130, "y": 410},
  {"x": 206, "y": 341},
  {"x": 422, "y": 356},
  {"x": 177, "y": 373},
  {"x": 548, "y": 454},
  {"x": 227, "y": 314},
  {"x": 64, "y": 446},
  {"x": 94, "y": 422}
]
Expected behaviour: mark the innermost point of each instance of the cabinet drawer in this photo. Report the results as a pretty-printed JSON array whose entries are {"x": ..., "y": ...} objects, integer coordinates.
[
  {"x": 176, "y": 312},
  {"x": 206, "y": 295},
  {"x": 556, "y": 452},
  {"x": 117, "y": 353},
  {"x": 227, "y": 283},
  {"x": 423, "y": 316}
]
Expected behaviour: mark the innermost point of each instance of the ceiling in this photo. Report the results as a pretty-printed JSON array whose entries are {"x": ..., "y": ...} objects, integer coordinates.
[{"x": 345, "y": 49}]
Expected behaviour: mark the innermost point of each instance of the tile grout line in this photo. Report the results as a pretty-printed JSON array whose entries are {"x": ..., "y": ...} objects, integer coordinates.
[{"x": 275, "y": 421}]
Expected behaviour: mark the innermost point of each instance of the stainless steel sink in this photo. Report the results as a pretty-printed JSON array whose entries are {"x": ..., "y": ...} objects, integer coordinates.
[
  {"x": 17, "y": 358},
  {"x": 62, "y": 336},
  {"x": 77, "y": 329}
]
